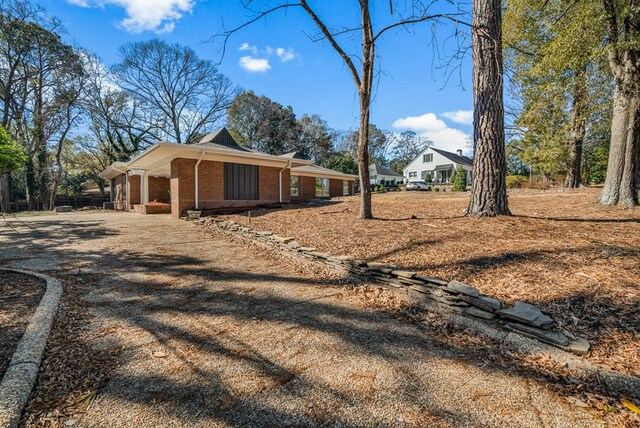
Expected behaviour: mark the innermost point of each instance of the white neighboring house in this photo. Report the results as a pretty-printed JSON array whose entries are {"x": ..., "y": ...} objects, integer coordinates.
[
  {"x": 439, "y": 163},
  {"x": 379, "y": 174}
]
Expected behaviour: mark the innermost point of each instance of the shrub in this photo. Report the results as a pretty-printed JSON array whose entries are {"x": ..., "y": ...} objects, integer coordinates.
[
  {"x": 459, "y": 183},
  {"x": 436, "y": 189},
  {"x": 516, "y": 181}
]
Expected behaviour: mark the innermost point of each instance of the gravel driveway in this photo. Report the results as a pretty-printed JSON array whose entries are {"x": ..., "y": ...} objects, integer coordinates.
[{"x": 215, "y": 334}]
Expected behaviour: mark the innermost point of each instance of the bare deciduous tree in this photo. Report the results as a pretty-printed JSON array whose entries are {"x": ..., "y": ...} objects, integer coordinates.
[
  {"x": 187, "y": 95},
  {"x": 363, "y": 76}
]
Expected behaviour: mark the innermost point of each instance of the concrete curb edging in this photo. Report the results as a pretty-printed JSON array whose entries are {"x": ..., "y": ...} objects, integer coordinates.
[
  {"x": 401, "y": 283},
  {"x": 18, "y": 380}
]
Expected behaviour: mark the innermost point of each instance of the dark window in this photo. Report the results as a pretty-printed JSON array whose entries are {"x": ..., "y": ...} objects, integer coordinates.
[{"x": 240, "y": 181}]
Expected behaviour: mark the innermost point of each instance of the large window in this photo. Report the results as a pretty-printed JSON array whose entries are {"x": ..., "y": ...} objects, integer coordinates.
[
  {"x": 240, "y": 181},
  {"x": 346, "y": 187},
  {"x": 427, "y": 158},
  {"x": 322, "y": 187},
  {"x": 295, "y": 185},
  {"x": 413, "y": 174}
]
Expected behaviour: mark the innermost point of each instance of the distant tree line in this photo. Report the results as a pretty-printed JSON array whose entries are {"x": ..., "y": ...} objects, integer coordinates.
[
  {"x": 69, "y": 116},
  {"x": 259, "y": 123}
]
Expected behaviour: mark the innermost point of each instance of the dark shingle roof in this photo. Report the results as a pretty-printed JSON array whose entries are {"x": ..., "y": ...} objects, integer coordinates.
[
  {"x": 376, "y": 169},
  {"x": 221, "y": 139},
  {"x": 454, "y": 157}
]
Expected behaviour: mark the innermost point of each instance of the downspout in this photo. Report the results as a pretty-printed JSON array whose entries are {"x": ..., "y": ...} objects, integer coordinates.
[
  {"x": 196, "y": 181},
  {"x": 280, "y": 181}
]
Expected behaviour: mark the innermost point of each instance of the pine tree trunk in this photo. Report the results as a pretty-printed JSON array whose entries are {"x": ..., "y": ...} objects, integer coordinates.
[
  {"x": 489, "y": 189},
  {"x": 5, "y": 192},
  {"x": 622, "y": 183}
]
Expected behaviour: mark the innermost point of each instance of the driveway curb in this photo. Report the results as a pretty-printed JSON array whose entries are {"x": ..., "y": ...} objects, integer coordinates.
[{"x": 22, "y": 371}]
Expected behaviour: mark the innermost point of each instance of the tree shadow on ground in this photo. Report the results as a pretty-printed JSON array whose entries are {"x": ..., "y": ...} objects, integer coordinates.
[
  {"x": 207, "y": 315},
  {"x": 580, "y": 220}
]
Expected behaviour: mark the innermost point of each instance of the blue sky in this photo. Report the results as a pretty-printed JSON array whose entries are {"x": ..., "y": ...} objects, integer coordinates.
[{"x": 275, "y": 57}]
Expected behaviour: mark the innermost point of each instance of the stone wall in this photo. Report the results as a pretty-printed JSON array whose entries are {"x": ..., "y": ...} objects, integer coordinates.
[{"x": 522, "y": 318}]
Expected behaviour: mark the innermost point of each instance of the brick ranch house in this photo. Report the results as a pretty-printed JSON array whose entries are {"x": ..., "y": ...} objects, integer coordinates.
[{"x": 217, "y": 173}]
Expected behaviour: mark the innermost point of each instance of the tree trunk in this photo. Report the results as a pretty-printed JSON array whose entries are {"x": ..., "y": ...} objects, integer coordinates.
[
  {"x": 622, "y": 183},
  {"x": 58, "y": 177},
  {"x": 364, "y": 92},
  {"x": 573, "y": 180},
  {"x": 363, "y": 159},
  {"x": 489, "y": 189},
  {"x": 5, "y": 192}
]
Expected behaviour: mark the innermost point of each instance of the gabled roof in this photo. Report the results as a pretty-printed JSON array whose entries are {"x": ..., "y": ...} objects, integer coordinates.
[
  {"x": 454, "y": 157},
  {"x": 376, "y": 169},
  {"x": 291, "y": 155},
  {"x": 221, "y": 137}
]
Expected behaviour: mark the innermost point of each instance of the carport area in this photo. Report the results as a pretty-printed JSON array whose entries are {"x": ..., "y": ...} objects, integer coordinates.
[{"x": 166, "y": 325}]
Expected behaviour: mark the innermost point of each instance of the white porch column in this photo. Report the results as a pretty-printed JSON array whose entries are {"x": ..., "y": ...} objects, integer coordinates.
[{"x": 144, "y": 182}]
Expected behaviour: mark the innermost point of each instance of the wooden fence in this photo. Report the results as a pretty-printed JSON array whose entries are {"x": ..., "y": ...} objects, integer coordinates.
[{"x": 78, "y": 201}]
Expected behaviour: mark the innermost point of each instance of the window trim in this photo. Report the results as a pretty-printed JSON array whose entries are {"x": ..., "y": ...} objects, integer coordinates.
[
  {"x": 427, "y": 157},
  {"x": 295, "y": 194},
  {"x": 324, "y": 190}
]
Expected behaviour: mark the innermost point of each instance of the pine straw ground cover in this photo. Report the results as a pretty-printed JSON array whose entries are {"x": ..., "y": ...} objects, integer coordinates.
[
  {"x": 560, "y": 250},
  {"x": 72, "y": 371},
  {"x": 19, "y": 298}
]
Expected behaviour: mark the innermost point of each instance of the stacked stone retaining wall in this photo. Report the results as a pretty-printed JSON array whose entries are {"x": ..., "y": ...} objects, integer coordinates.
[{"x": 522, "y": 318}]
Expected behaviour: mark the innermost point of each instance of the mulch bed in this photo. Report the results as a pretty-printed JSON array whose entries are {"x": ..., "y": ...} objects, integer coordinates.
[
  {"x": 19, "y": 297},
  {"x": 71, "y": 371},
  {"x": 562, "y": 251}
]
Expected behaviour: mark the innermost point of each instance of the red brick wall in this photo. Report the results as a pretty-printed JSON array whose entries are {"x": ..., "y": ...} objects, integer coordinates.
[
  {"x": 117, "y": 192},
  {"x": 307, "y": 189},
  {"x": 335, "y": 187},
  {"x": 133, "y": 191},
  {"x": 211, "y": 186},
  {"x": 182, "y": 185},
  {"x": 159, "y": 189}
]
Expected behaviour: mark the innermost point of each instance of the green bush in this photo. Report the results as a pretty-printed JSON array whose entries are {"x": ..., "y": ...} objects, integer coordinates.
[
  {"x": 459, "y": 183},
  {"x": 516, "y": 181},
  {"x": 436, "y": 189}
]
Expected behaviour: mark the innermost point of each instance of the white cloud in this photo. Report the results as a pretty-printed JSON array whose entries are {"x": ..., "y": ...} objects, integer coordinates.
[
  {"x": 159, "y": 16},
  {"x": 255, "y": 65},
  {"x": 81, "y": 3},
  {"x": 428, "y": 125},
  {"x": 247, "y": 47},
  {"x": 464, "y": 117},
  {"x": 285, "y": 54}
]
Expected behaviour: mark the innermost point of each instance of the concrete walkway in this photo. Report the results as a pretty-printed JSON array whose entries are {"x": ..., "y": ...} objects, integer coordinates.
[{"x": 217, "y": 335}]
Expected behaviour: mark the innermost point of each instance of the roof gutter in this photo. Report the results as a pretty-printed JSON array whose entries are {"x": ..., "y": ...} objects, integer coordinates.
[{"x": 196, "y": 174}]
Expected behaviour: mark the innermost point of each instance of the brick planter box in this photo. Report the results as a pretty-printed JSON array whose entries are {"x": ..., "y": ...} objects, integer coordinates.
[{"x": 152, "y": 209}]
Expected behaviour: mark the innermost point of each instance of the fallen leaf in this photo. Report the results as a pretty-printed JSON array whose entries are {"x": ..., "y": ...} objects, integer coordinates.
[
  {"x": 160, "y": 354},
  {"x": 576, "y": 402},
  {"x": 629, "y": 405}
]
